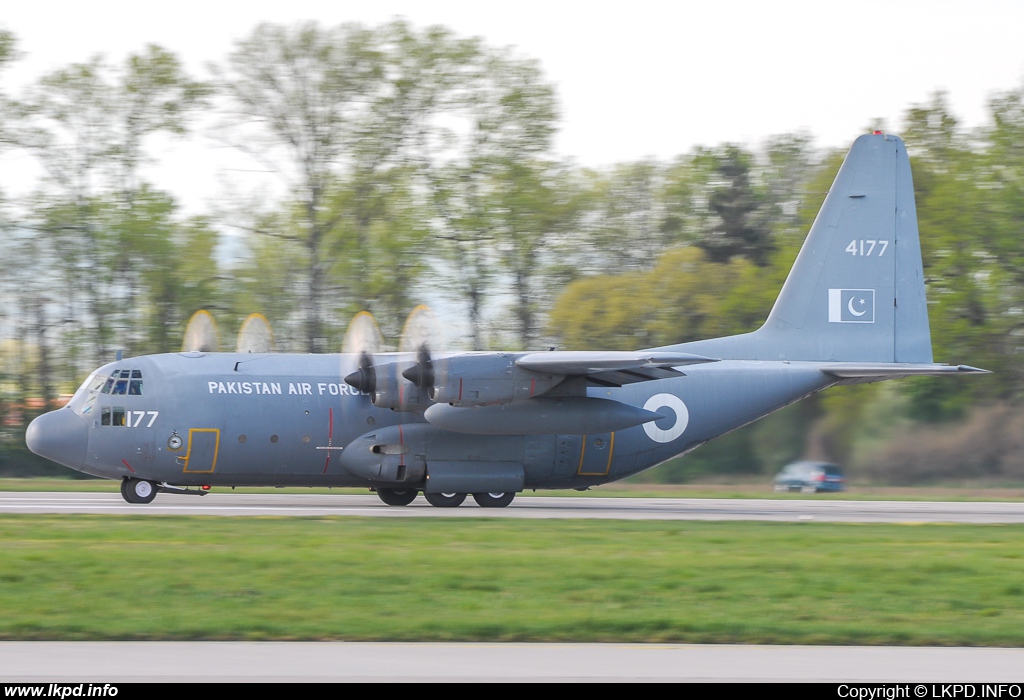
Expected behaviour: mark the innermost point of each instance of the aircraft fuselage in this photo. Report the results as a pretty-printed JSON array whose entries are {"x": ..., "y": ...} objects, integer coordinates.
[{"x": 223, "y": 419}]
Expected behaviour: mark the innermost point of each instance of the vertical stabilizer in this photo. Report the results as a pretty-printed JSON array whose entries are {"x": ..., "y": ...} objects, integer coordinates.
[{"x": 856, "y": 290}]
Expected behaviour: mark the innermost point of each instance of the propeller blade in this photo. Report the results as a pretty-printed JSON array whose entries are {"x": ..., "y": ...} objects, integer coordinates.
[
  {"x": 421, "y": 335},
  {"x": 421, "y": 328},
  {"x": 363, "y": 335},
  {"x": 255, "y": 335},
  {"x": 201, "y": 333},
  {"x": 365, "y": 378},
  {"x": 422, "y": 373}
]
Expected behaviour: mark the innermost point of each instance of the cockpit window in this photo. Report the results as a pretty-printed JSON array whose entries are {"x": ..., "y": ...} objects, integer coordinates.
[{"x": 120, "y": 382}]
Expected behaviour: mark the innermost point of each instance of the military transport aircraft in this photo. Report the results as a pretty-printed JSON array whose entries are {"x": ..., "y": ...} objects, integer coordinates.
[{"x": 492, "y": 424}]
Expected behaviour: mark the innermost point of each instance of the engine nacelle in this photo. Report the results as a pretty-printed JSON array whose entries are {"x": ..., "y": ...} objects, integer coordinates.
[
  {"x": 387, "y": 387},
  {"x": 480, "y": 380}
]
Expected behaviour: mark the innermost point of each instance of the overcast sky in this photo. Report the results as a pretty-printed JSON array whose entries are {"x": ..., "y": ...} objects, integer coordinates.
[{"x": 634, "y": 79}]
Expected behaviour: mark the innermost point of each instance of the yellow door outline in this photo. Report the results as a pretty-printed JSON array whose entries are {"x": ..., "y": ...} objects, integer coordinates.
[
  {"x": 188, "y": 453},
  {"x": 607, "y": 467}
]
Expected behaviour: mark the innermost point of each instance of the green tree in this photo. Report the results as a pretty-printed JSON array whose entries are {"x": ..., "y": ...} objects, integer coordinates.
[
  {"x": 295, "y": 95},
  {"x": 86, "y": 125},
  {"x": 495, "y": 206},
  {"x": 8, "y": 52},
  {"x": 738, "y": 225}
]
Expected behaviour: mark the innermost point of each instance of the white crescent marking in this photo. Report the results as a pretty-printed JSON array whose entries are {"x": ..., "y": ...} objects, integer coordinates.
[
  {"x": 676, "y": 429},
  {"x": 850, "y": 307}
]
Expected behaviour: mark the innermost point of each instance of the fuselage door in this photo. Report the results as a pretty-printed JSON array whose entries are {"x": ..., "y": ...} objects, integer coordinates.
[
  {"x": 201, "y": 456},
  {"x": 596, "y": 455}
]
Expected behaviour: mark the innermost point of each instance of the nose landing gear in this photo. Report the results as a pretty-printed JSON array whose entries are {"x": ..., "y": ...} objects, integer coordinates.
[{"x": 138, "y": 490}]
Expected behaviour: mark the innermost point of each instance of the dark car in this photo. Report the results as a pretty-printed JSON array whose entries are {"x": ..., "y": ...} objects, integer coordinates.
[{"x": 810, "y": 477}]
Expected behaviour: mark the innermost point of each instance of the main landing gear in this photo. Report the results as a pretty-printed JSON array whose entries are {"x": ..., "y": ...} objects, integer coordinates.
[
  {"x": 494, "y": 500},
  {"x": 397, "y": 497},
  {"x": 445, "y": 500},
  {"x": 138, "y": 490},
  {"x": 403, "y": 497}
]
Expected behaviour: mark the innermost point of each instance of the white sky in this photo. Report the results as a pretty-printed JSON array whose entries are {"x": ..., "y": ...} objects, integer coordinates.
[{"x": 633, "y": 79}]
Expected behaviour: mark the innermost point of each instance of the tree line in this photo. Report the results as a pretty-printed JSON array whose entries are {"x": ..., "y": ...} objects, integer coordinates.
[{"x": 416, "y": 162}]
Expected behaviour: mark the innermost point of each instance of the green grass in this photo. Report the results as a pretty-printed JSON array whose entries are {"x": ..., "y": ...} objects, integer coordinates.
[{"x": 90, "y": 577}]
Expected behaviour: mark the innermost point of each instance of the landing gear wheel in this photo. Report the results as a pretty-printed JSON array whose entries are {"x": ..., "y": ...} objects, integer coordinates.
[
  {"x": 138, "y": 490},
  {"x": 494, "y": 500},
  {"x": 445, "y": 500},
  {"x": 397, "y": 497}
]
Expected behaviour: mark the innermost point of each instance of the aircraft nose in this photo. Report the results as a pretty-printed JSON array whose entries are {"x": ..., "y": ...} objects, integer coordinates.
[{"x": 60, "y": 436}]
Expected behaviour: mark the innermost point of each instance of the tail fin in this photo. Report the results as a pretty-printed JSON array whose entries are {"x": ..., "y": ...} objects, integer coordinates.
[{"x": 856, "y": 291}]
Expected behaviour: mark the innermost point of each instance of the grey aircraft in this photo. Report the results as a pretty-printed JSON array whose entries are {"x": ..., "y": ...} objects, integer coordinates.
[{"x": 492, "y": 424}]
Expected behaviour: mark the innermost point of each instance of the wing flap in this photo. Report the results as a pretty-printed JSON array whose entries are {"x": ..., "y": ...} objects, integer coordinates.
[
  {"x": 879, "y": 370},
  {"x": 569, "y": 363}
]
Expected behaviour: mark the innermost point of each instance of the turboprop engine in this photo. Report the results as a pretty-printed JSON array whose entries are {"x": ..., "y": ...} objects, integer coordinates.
[{"x": 478, "y": 379}]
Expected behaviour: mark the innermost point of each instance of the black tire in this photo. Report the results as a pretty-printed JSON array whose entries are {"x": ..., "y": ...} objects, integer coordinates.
[
  {"x": 494, "y": 500},
  {"x": 138, "y": 490},
  {"x": 444, "y": 500},
  {"x": 397, "y": 497}
]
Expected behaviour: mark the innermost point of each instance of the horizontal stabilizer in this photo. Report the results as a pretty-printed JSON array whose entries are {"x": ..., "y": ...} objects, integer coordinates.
[
  {"x": 568, "y": 362},
  {"x": 895, "y": 370}
]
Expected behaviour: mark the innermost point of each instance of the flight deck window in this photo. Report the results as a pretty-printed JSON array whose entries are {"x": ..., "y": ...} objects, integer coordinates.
[{"x": 121, "y": 382}]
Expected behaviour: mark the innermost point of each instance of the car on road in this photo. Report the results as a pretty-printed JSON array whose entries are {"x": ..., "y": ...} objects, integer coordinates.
[{"x": 810, "y": 477}]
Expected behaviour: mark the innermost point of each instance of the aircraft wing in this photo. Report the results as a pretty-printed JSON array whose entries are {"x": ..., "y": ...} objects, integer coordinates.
[{"x": 611, "y": 368}]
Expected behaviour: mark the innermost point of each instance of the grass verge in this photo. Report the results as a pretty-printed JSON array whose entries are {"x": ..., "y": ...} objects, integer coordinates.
[{"x": 91, "y": 577}]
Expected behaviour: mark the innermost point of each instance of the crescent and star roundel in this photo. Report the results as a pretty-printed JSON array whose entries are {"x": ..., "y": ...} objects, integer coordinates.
[
  {"x": 676, "y": 429},
  {"x": 853, "y": 310}
]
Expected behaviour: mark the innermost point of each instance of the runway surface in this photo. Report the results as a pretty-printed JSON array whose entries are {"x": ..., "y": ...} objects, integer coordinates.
[
  {"x": 112, "y": 662},
  {"x": 276, "y": 504}
]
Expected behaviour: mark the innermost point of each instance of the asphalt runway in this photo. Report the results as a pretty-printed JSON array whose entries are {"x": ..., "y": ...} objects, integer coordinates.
[
  {"x": 821, "y": 509},
  {"x": 113, "y": 662}
]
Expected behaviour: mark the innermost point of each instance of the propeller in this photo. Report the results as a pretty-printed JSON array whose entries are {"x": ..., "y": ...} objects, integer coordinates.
[
  {"x": 364, "y": 337},
  {"x": 255, "y": 335},
  {"x": 200, "y": 333},
  {"x": 421, "y": 335},
  {"x": 399, "y": 382}
]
